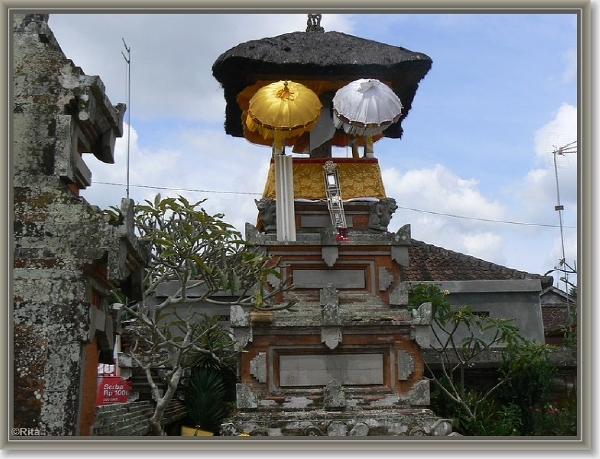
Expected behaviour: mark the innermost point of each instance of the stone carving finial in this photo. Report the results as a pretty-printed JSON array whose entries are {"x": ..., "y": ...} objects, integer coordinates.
[
  {"x": 267, "y": 214},
  {"x": 381, "y": 213},
  {"x": 314, "y": 23}
]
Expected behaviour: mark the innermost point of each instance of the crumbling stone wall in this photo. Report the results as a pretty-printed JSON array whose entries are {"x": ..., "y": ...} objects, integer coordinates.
[
  {"x": 131, "y": 419},
  {"x": 67, "y": 254},
  {"x": 123, "y": 419}
]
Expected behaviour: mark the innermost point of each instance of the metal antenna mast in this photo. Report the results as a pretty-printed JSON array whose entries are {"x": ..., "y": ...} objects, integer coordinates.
[
  {"x": 568, "y": 148},
  {"x": 128, "y": 76}
]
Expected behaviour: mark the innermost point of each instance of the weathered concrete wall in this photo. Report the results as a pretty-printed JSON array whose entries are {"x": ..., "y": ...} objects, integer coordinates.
[
  {"x": 67, "y": 254},
  {"x": 517, "y": 299}
]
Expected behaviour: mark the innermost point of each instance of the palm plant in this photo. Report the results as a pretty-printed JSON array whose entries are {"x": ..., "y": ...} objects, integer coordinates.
[{"x": 204, "y": 395}]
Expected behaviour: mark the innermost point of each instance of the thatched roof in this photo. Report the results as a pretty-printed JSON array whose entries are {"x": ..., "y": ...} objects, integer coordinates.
[{"x": 318, "y": 56}]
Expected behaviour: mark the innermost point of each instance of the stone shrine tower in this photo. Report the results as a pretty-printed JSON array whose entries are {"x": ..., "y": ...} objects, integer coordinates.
[{"x": 346, "y": 358}]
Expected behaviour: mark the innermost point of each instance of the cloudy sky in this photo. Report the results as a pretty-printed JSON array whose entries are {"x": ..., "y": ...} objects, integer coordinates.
[{"x": 474, "y": 171}]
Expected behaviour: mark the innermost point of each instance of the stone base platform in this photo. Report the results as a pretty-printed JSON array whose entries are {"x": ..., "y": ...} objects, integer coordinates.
[{"x": 385, "y": 422}]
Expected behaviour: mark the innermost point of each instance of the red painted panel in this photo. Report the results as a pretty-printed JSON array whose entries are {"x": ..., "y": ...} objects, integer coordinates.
[{"x": 112, "y": 389}]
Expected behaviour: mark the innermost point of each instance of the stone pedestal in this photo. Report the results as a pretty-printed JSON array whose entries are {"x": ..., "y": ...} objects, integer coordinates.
[{"x": 346, "y": 359}]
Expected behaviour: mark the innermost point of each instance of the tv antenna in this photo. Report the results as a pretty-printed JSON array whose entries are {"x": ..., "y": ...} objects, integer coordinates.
[
  {"x": 128, "y": 76},
  {"x": 558, "y": 153}
]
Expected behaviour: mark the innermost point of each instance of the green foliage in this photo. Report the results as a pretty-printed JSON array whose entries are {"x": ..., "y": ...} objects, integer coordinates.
[
  {"x": 460, "y": 338},
  {"x": 507, "y": 421},
  {"x": 195, "y": 252},
  {"x": 491, "y": 418},
  {"x": 188, "y": 243},
  {"x": 204, "y": 395},
  {"x": 424, "y": 293},
  {"x": 115, "y": 216},
  {"x": 230, "y": 408},
  {"x": 552, "y": 419},
  {"x": 461, "y": 335},
  {"x": 211, "y": 335},
  {"x": 527, "y": 376},
  {"x": 570, "y": 335},
  {"x": 449, "y": 319}
]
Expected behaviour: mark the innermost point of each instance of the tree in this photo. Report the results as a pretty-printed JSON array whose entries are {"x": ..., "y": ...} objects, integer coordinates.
[
  {"x": 460, "y": 339},
  {"x": 528, "y": 377},
  {"x": 199, "y": 251}
]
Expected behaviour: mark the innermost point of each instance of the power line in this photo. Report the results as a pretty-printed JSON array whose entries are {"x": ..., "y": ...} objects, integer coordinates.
[
  {"x": 183, "y": 189},
  {"x": 481, "y": 219},
  {"x": 400, "y": 207}
]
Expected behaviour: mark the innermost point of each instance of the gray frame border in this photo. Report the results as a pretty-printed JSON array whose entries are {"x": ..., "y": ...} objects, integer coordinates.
[{"x": 584, "y": 8}]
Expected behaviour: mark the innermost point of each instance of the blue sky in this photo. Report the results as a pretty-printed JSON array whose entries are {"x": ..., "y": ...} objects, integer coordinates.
[{"x": 473, "y": 172}]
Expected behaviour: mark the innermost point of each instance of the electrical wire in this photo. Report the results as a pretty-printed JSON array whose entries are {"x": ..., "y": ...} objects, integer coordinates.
[
  {"x": 482, "y": 219},
  {"x": 399, "y": 207},
  {"x": 182, "y": 189}
]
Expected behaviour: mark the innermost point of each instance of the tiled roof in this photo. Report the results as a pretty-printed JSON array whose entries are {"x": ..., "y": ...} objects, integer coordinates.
[
  {"x": 431, "y": 263},
  {"x": 555, "y": 310},
  {"x": 554, "y": 318}
]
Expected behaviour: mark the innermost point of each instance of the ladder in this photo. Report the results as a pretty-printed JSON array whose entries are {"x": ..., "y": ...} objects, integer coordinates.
[{"x": 334, "y": 200}]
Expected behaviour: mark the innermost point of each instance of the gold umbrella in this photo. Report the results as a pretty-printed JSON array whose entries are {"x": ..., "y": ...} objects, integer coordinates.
[{"x": 282, "y": 110}]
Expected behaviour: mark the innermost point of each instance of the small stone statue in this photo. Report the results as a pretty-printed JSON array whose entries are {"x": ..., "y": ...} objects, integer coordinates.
[
  {"x": 314, "y": 23},
  {"x": 381, "y": 213},
  {"x": 267, "y": 214}
]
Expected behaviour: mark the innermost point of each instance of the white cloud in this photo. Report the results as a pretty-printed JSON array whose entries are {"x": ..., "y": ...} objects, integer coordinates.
[
  {"x": 230, "y": 173},
  {"x": 144, "y": 166},
  {"x": 443, "y": 196},
  {"x": 178, "y": 109},
  {"x": 486, "y": 244},
  {"x": 560, "y": 131},
  {"x": 570, "y": 60},
  {"x": 440, "y": 190},
  {"x": 537, "y": 192},
  {"x": 171, "y": 55}
]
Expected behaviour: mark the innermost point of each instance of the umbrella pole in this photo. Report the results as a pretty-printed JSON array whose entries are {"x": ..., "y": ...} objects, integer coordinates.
[
  {"x": 284, "y": 198},
  {"x": 354, "y": 147},
  {"x": 369, "y": 152}
]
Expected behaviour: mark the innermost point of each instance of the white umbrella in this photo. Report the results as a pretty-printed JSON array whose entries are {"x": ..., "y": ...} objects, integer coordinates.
[{"x": 365, "y": 107}]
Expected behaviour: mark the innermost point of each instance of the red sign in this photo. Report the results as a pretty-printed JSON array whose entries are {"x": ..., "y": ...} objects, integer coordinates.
[{"x": 112, "y": 389}]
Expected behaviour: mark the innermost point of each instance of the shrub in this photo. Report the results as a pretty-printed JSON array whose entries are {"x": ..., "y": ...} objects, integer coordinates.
[
  {"x": 204, "y": 396},
  {"x": 550, "y": 419},
  {"x": 527, "y": 376}
]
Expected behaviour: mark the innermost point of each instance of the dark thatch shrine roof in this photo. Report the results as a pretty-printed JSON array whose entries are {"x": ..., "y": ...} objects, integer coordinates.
[{"x": 318, "y": 56}]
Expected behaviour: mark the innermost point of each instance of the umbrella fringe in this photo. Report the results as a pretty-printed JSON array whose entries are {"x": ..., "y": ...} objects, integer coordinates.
[
  {"x": 356, "y": 128},
  {"x": 365, "y": 107}
]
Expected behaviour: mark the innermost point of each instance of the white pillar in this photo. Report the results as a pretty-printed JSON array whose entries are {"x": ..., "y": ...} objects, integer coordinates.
[{"x": 284, "y": 198}]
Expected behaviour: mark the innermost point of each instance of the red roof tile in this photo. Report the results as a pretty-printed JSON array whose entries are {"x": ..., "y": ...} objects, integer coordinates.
[
  {"x": 431, "y": 263},
  {"x": 554, "y": 318}
]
